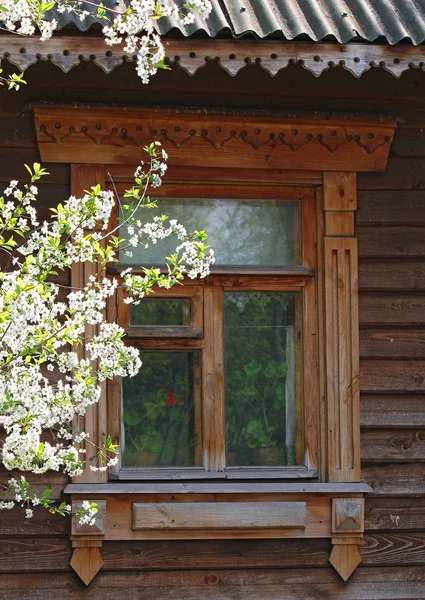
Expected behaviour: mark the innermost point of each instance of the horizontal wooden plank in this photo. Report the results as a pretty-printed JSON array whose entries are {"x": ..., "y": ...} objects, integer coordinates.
[
  {"x": 395, "y": 410},
  {"x": 388, "y": 242},
  {"x": 13, "y": 523},
  {"x": 52, "y": 480},
  {"x": 392, "y": 376},
  {"x": 395, "y": 479},
  {"x": 394, "y": 514},
  {"x": 400, "y": 445},
  {"x": 38, "y": 555},
  {"x": 394, "y": 343},
  {"x": 216, "y": 488},
  {"x": 396, "y": 549},
  {"x": 13, "y": 161},
  {"x": 389, "y": 207},
  {"x": 219, "y": 515},
  {"x": 401, "y": 310},
  {"x": 392, "y": 274},
  {"x": 409, "y": 142},
  {"x": 367, "y": 583},
  {"x": 400, "y": 174},
  {"x": 17, "y": 131}
]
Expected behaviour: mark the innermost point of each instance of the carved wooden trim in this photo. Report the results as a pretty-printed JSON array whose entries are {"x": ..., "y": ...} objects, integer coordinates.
[
  {"x": 347, "y": 515},
  {"x": 117, "y": 136},
  {"x": 340, "y": 265},
  {"x": 99, "y": 526},
  {"x": 94, "y": 421},
  {"x": 86, "y": 559},
  {"x": 231, "y": 55}
]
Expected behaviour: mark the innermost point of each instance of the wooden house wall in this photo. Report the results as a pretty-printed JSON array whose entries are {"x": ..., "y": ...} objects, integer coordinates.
[{"x": 35, "y": 555}]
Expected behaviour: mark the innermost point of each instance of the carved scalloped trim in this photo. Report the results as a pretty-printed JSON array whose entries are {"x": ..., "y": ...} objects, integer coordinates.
[
  {"x": 218, "y": 134},
  {"x": 232, "y": 55}
]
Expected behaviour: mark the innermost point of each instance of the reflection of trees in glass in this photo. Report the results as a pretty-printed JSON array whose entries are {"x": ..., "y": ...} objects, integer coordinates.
[
  {"x": 158, "y": 411},
  {"x": 161, "y": 312},
  {"x": 259, "y": 347},
  {"x": 242, "y": 232}
]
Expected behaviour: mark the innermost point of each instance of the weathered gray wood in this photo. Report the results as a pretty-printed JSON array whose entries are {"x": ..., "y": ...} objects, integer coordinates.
[
  {"x": 401, "y": 445},
  {"x": 216, "y": 488},
  {"x": 395, "y": 479},
  {"x": 219, "y": 515},
  {"x": 396, "y": 410},
  {"x": 394, "y": 514},
  {"x": 134, "y": 474}
]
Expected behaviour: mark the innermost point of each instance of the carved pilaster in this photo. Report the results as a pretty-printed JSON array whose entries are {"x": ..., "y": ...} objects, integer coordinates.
[{"x": 342, "y": 336}]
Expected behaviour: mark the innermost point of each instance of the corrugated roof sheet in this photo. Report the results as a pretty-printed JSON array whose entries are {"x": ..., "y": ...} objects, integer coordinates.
[{"x": 393, "y": 20}]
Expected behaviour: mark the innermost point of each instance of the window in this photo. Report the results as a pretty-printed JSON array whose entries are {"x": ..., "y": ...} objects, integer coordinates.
[
  {"x": 274, "y": 329},
  {"x": 228, "y": 362}
]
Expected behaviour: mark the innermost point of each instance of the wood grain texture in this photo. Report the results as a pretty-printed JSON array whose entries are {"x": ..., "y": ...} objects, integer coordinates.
[
  {"x": 219, "y": 515},
  {"x": 392, "y": 376},
  {"x": 399, "y": 445},
  {"x": 397, "y": 410},
  {"x": 392, "y": 274},
  {"x": 400, "y": 174},
  {"x": 388, "y": 207},
  {"x": 389, "y": 242},
  {"x": 387, "y": 310},
  {"x": 367, "y": 583},
  {"x": 391, "y": 548},
  {"x": 342, "y": 357},
  {"x": 402, "y": 480},
  {"x": 394, "y": 343},
  {"x": 394, "y": 514}
]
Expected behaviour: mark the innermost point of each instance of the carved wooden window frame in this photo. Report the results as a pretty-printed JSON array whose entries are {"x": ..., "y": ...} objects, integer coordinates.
[{"x": 321, "y": 151}]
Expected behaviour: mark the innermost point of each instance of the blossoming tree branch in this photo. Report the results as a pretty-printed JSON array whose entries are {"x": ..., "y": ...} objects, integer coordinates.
[
  {"x": 40, "y": 333},
  {"x": 133, "y": 27}
]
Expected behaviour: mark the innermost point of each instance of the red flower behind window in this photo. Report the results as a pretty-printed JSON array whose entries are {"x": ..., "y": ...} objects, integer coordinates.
[{"x": 171, "y": 399}]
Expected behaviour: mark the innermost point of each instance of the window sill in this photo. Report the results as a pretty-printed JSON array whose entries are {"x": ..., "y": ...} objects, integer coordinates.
[
  {"x": 216, "y": 488},
  {"x": 231, "y": 473}
]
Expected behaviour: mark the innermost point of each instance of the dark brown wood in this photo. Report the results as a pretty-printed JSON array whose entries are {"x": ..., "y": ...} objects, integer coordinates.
[
  {"x": 391, "y": 241},
  {"x": 392, "y": 376},
  {"x": 394, "y": 343},
  {"x": 391, "y": 208},
  {"x": 392, "y": 274},
  {"x": 401, "y": 174},
  {"x": 388, "y": 310},
  {"x": 379, "y": 583}
]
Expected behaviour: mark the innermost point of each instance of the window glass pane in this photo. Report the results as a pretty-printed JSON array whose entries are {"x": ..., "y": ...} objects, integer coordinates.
[
  {"x": 161, "y": 411},
  {"x": 241, "y": 232},
  {"x": 159, "y": 311},
  {"x": 261, "y": 377}
]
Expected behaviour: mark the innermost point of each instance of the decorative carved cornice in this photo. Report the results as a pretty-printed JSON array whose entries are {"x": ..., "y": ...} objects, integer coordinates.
[
  {"x": 232, "y": 55},
  {"x": 114, "y": 136}
]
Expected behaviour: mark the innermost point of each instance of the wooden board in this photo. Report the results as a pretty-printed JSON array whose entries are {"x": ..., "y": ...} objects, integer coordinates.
[
  {"x": 391, "y": 241},
  {"x": 392, "y": 376},
  {"x": 393, "y": 343},
  {"x": 392, "y": 274},
  {"x": 403, "y": 310},
  {"x": 394, "y": 514},
  {"x": 219, "y": 515},
  {"x": 394, "y": 445},
  {"x": 390, "y": 207},
  {"x": 392, "y": 410}
]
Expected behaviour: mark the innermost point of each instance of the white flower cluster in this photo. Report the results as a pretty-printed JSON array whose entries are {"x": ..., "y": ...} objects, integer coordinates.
[
  {"x": 44, "y": 383},
  {"x": 133, "y": 28}
]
